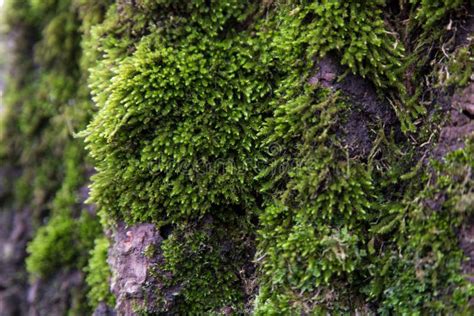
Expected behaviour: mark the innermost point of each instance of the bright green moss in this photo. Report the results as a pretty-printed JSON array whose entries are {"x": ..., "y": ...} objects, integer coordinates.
[
  {"x": 429, "y": 12},
  {"x": 182, "y": 80},
  {"x": 189, "y": 92},
  {"x": 62, "y": 243},
  {"x": 354, "y": 29},
  {"x": 51, "y": 249},
  {"x": 312, "y": 236},
  {"x": 98, "y": 275},
  {"x": 320, "y": 231},
  {"x": 67, "y": 237},
  {"x": 332, "y": 226},
  {"x": 159, "y": 149},
  {"x": 422, "y": 271},
  {"x": 207, "y": 119},
  {"x": 174, "y": 138}
]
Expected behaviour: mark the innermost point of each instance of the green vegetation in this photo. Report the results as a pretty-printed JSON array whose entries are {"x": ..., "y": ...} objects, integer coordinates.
[
  {"x": 208, "y": 122},
  {"x": 46, "y": 103},
  {"x": 208, "y": 261},
  {"x": 459, "y": 68},
  {"x": 156, "y": 129},
  {"x": 98, "y": 274}
]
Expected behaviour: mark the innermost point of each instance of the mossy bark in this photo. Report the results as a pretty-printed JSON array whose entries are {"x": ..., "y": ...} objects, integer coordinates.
[{"x": 251, "y": 157}]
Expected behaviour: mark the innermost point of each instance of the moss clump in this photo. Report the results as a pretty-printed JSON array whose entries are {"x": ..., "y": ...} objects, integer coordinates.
[
  {"x": 428, "y": 12},
  {"x": 183, "y": 144},
  {"x": 209, "y": 264},
  {"x": 421, "y": 267},
  {"x": 62, "y": 243},
  {"x": 98, "y": 275},
  {"x": 51, "y": 248},
  {"x": 176, "y": 104},
  {"x": 331, "y": 221},
  {"x": 160, "y": 140},
  {"x": 313, "y": 236},
  {"x": 354, "y": 29},
  {"x": 67, "y": 237}
]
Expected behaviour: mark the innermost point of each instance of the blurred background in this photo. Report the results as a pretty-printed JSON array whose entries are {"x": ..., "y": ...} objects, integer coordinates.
[{"x": 2, "y": 54}]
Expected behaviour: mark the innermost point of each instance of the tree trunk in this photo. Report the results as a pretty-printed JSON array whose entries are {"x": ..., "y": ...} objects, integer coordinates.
[{"x": 237, "y": 157}]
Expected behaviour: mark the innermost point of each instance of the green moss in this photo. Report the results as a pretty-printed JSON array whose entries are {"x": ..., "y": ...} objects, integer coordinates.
[
  {"x": 313, "y": 236},
  {"x": 45, "y": 104},
  {"x": 422, "y": 270},
  {"x": 66, "y": 239},
  {"x": 176, "y": 104},
  {"x": 62, "y": 243},
  {"x": 206, "y": 120},
  {"x": 429, "y": 38},
  {"x": 459, "y": 69},
  {"x": 46, "y": 80},
  {"x": 98, "y": 275},
  {"x": 207, "y": 261},
  {"x": 150, "y": 251},
  {"x": 51, "y": 248},
  {"x": 354, "y": 29},
  {"x": 176, "y": 69},
  {"x": 331, "y": 223},
  {"x": 428, "y": 12}
]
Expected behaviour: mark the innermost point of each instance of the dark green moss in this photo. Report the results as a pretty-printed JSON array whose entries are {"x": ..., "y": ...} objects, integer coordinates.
[{"x": 210, "y": 263}]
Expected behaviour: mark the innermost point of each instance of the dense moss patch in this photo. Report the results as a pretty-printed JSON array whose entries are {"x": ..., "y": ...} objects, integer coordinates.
[{"x": 210, "y": 125}]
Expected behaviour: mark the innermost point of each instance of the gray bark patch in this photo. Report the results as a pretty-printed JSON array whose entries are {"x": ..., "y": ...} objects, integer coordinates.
[{"x": 135, "y": 259}]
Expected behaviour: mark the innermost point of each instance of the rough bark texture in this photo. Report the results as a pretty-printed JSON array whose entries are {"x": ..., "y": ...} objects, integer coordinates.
[
  {"x": 135, "y": 260},
  {"x": 15, "y": 232},
  {"x": 367, "y": 107}
]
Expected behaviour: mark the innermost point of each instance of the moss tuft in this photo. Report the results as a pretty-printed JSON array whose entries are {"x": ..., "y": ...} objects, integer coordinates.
[{"x": 98, "y": 275}]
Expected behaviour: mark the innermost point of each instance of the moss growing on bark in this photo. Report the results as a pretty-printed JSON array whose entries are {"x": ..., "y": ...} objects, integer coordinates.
[
  {"x": 211, "y": 120},
  {"x": 339, "y": 191},
  {"x": 45, "y": 104},
  {"x": 98, "y": 275}
]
